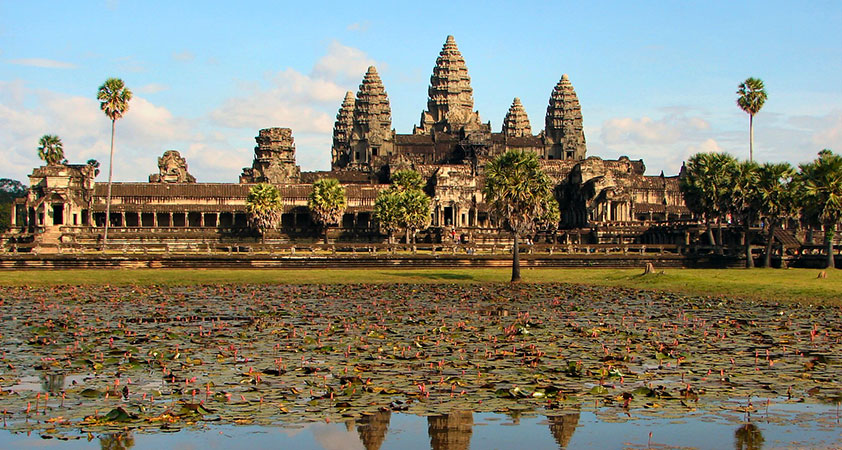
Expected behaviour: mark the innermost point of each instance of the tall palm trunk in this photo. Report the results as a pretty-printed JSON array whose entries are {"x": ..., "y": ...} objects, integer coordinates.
[
  {"x": 828, "y": 237},
  {"x": 711, "y": 239},
  {"x": 751, "y": 137},
  {"x": 515, "y": 261},
  {"x": 770, "y": 239},
  {"x": 108, "y": 197}
]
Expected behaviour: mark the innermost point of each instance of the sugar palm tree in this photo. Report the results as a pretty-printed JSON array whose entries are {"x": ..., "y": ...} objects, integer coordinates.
[
  {"x": 416, "y": 213},
  {"x": 706, "y": 185},
  {"x": 388, "y": 211},
  {"x": 114, "y": 99},
  {"x": 821, "y": 196},
  {"x": 774, "y": 185},
  {"x": 744, "y": 198},
  {"x": 327, "y": 203},
  {"x": 50, "y": 149},
  {"x": 517, "y": 190},
  {"x": 751, "y": 99},
  {"x": 264, "y": 206}
]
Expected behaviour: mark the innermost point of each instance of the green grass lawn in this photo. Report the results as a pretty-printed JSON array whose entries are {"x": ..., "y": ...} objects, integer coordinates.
[{"x": 785, "y": 285}]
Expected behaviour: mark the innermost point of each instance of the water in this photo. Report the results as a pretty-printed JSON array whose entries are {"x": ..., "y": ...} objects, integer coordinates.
[{"x": 786, "y": 426}]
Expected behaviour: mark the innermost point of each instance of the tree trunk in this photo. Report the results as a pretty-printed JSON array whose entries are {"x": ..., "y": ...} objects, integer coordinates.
[
  {"x": 711, "y": 239},
  {"x": 719, "y": 244},
  {"x": 767, "y": 254},
  {"x": 749, "y": 257},
  {"x": 515, "y": 261},
  {"x": 751, "y": 137},
  {"x": 326, "y": 229},
  {"x": 407, "y": 236},
  {"x": 828, "y": 236},
  {"x": 414, "y": 249},
  {"x": 108, "y": 197}
]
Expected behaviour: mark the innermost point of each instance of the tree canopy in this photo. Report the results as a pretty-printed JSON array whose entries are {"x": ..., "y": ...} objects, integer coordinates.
[
  {"x": 50, "y": 149},
  {"x": 327, "y": 203},
  {"x": 264, "y": 206},
  {"x": 519, "y": 192}
]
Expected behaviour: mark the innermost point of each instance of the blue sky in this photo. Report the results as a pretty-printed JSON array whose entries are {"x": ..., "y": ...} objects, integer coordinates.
[{"x": 656, "y": 80}]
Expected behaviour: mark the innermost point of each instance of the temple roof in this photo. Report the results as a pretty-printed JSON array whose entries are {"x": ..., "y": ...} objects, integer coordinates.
[
  {"x": 450, "y": 100},
  {"x": 516, "y": 122},
  {"x": 371, "y": 109},
  {"x": 564, "y": 118}
]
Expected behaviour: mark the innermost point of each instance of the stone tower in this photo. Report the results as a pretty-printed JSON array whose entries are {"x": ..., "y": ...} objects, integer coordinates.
[
  {"x": 342, "y": 130},
  {"x": 371, "y": 135},
  {"x": 450, "y": 101},
  {"x": 564, "y": 133},
  {"x": 274, "y": 158},
  {"x": 516, "y": 123}
]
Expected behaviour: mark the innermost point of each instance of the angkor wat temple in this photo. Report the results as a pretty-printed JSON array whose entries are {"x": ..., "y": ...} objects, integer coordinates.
[{"x": 450, "y": 147}]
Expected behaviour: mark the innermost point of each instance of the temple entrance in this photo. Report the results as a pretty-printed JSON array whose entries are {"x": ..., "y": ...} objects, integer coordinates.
[
  {"x": 448, "y": 215},
  {"x": 58, "y": 214}
]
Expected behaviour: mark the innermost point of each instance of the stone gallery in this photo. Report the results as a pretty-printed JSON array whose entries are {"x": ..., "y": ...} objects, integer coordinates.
[{"x": 449, "y": 147}]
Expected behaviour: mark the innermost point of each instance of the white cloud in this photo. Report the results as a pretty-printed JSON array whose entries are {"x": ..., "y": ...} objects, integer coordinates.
[
  {"x": 647, "y": 131},
  {"x": 342, "y": 62},
  {"x": 185, "y": 56},
  {"x": 216, "y": 144},
  {"x": 359, "y": 26},
  {"x": 151, "y": 88},
  {"x": 43, "y": 63}
]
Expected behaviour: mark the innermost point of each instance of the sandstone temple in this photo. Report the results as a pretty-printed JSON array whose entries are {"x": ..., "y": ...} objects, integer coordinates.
[{"x": 450, "y": 147}]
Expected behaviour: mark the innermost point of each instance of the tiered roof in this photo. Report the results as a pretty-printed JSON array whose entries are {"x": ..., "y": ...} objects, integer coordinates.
[
  {"x": 564, "y": 118},
  {"x": 372, "y": 111},
  {"x": 516, "y": 123},
  {"x": 343, "y": 127}
]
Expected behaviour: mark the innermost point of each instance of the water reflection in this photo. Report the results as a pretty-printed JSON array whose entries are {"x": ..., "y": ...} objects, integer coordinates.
[
  {"x": 116, "y": 441},
  {"x": 451, "y": 431},
  {"x": 562, "y": 428},
  {"x": 748, "y": 437},
  {"x": 52, "y": 382},
  {"x": 373, "y": 428}
]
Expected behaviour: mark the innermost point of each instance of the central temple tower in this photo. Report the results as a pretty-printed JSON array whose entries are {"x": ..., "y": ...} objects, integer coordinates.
[{"x": 450, "y": 101}]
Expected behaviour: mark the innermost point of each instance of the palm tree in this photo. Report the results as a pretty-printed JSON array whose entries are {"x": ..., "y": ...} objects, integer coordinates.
[
  {"x": 706, "y": 185},
  {"x": 327, "y": 202},
  {"x": 114, "y": 98},
  {"x": 517, "y": 190},
  {"x": 415, "y": 204},
  {"x": 388, "y": 211},
  {"x": 774, "y": 186},
  {"x": 821, "y": 184},
  {"x": 416, "y": 213},
  {"x": 50, "y": 149},
  {"x": 751, "y": 99},
  {"x": 264, "y": 206},
  {"x": 406, "y": 180},
  {"x": 745, "y": 201}
]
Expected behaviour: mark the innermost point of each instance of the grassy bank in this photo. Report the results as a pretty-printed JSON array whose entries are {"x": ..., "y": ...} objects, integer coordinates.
[{"x": 786, "y": 285}]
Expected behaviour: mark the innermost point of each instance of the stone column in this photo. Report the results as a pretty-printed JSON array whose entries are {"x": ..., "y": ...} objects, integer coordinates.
[{"x": 171, "y": 222}]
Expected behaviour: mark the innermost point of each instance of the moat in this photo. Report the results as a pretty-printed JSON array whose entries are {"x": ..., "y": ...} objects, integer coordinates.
[{"x": 414, "y": 366}]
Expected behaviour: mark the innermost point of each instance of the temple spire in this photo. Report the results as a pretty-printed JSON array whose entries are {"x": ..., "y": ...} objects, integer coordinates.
[
  {"x": 372, "y": 112},
  {"x": 564, "y": 129},
  {"x": 342, "y": 129},
  {"x": 516, "y": 123},
  {"x": 450, "y": 101}
]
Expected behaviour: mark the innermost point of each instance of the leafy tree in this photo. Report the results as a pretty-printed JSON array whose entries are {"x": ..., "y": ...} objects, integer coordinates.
[
  {"x": 777, "y": 201},
  {"x": 518, "y": 191},
  {"x": 264, "y": 206},
  {"x": 50, "y": 149},
  {"x": 9, "y": 191},
  {"x": 389, "y": 211},
  {"x": 706, "y": 186},
  {"x": 114, "y": 99},
  {"x": 327, "y": 203},
  {"x": 821, "y": 185},
  {"x": 752, "y": 96}
]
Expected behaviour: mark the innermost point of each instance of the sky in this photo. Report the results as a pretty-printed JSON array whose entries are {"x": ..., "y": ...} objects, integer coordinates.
[{"x": 656, "y": 80}]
